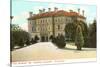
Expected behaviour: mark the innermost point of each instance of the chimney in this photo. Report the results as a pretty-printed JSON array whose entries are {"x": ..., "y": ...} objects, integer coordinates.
[
  {"x": 40, "y": 11},
  {"x": 79, "y": 10},
  {"x": 71, "y": 10},
  {"x": 43, "y": 10},
  {"x": 30, "y": 14},
  {"x": 49, "y": 9},
  {"x": 55, "y": 9},
  {"x": 83, "y": 12}
]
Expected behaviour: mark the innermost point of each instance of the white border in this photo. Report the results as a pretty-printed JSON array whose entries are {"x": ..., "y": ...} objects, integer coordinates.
[
  {"x": 54, "y": 61},
  {"x": 5, "y": 28},
  {"x": 51, "y": 62}
]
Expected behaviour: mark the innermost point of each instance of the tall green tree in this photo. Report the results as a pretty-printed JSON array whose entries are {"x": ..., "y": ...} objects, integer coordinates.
[
  {"x": 84, "y": 32},
  {"x": 92, "y": 35},
  {"x": 79, "y": 39}
]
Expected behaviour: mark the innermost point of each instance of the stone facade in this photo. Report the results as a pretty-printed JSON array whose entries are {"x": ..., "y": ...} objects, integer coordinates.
[{"x": 44, "y": 24}]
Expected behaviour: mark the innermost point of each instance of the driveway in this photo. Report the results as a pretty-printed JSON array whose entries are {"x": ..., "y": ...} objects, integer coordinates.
[{"x": 48, "y": 51}]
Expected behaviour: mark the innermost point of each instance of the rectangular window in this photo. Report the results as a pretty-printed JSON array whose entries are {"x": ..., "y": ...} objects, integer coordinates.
[
  {"x": 58, "y": 20},
  {"x": 58, "y": 27},
  {"x": 38, "y": 29},
  {"x": 41, "y": 21},
  {"x": 32, "y": 29},
  {"x": 49, "y": 28},
  {"x": 30, "y": 22},
  {"x": 66, "y": 19}
]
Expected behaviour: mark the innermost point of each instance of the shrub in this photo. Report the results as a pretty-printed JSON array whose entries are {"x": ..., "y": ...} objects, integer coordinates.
[
  {"x": 79, "y": 40},
  {"x": 60, "y": 41},
  {"x": 53, "y": 39},
  {"x": 27, "y": 42},
  {"x": 36, "y": 38},
  {"x": 32, "y": 41},
  {"x": 18, "y": 36},
  {"x": 12, "y": 45},
  {"x": 21, "y": 43}
]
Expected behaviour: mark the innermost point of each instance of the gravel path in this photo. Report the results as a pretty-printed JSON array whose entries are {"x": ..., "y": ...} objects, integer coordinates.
[{"x": 47, "y": 51}]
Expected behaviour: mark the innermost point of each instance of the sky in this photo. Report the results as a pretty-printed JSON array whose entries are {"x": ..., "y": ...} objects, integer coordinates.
[{"x": 21, "y": 9}]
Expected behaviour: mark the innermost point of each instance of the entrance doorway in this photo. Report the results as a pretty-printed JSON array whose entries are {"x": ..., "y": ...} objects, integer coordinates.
[{"x": 44, "y": 38}]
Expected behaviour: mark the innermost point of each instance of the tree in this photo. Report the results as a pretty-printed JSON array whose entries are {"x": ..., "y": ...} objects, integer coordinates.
[
  {"x": 84, "y": 29},
  {"x": 69, "y": 31},
  {"x": 92, "y": 35},
  {"x": 79, "y": 40},
  {"x": 15, "y": 27},
  {"x": 84, "y": 32},
  {"x": 18, "y": 36}
]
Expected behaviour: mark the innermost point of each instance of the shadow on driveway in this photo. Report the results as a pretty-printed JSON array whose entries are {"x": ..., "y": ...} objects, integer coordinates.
[{"x": 83, "y": 49}]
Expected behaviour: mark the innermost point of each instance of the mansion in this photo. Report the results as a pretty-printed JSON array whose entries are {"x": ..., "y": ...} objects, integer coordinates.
[{"x": 48, "y": 23}]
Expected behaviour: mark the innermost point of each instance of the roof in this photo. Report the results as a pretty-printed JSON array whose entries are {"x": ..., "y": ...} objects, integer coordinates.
[{"x": 56, "y": 13}]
